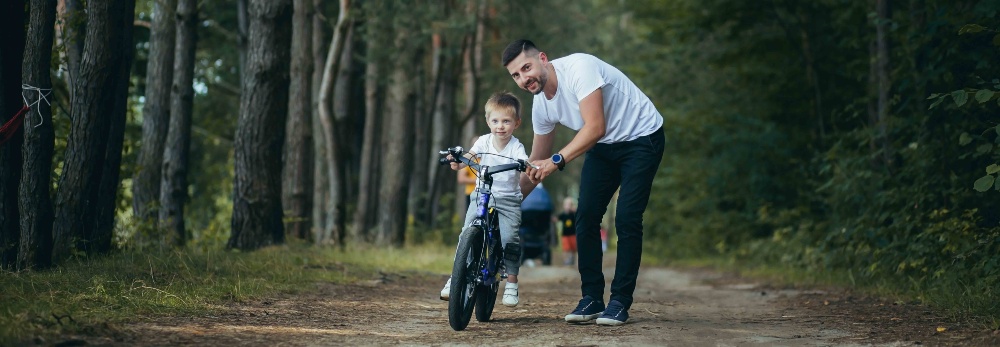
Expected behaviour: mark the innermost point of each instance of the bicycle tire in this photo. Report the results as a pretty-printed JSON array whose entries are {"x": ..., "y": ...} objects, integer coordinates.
[
  {"x": 463, "y": 278},
  {"x": 486, "y": 296}
]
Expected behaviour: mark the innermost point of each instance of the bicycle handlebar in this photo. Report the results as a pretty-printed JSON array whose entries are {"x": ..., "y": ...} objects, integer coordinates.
[{"x": 457, "y": 157}]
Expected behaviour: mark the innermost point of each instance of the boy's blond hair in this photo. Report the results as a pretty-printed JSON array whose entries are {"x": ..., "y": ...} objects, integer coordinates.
[{"x": 504, "y": 102}]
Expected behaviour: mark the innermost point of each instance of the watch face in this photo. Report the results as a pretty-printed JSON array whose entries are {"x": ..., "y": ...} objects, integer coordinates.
[{"x": 557, "y": 158}]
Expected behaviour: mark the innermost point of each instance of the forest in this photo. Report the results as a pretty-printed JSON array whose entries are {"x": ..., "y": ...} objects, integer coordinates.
[{"x": 858, "y": 139}]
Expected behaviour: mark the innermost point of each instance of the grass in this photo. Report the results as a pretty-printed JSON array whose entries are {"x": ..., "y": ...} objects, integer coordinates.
[{"x": 87, "y": 294}]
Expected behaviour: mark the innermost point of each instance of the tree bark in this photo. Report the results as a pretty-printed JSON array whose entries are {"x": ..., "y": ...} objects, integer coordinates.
[
  {"x": 260, "y": 132},
  {"x": 298, "y": 162},
  {"x": 371, "y": 154},
  {"x": 242, "y": 33},
  {"x": 321, "y": 182},
  {"x": 99, "y": 240},
  {"x": 75, "y": 20},
  {"x": 35, "y": 196},
  {"x": 441, "y": 178},
  {"x": 155, "y": 112},
  {"x": 11, "y": 54},
  {"x": 397, "y": 144},
  {"x": 884, "y": 82},
  {"x": 332, "y": 152},
  {"x": 174, "y": 187},
  {"x": 93, "y": 110}
]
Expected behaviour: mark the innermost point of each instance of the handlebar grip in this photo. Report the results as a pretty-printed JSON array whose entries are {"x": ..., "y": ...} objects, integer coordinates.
[{"x": 444, "y": 161}]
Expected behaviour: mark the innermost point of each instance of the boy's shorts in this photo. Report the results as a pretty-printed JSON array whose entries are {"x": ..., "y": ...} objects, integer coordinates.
[{"x": 569, "y": 243}]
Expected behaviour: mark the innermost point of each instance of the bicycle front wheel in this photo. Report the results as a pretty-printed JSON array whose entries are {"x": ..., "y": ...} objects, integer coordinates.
[
  {"x": 486, "y": 296},
  {"x": 463, "y": 278}
]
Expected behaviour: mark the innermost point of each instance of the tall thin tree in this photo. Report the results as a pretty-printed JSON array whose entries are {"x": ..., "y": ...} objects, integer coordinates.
[
  {"x": 155, "y": 111},
  {"x": 333, "y": 142},
  {"x": 397, "y": 142},
  {"x": 257, "y": 213},
  {"x": 174, "y": 187},
  {"x": 298, "y": 160},
  {"x": 36, "y": 179},
  {"x": 101, "y": 235}
]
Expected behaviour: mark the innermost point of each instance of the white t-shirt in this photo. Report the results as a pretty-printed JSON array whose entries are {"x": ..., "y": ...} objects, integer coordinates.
[
  {"x": 628, "y": 112},
  {"x": 506, "y": 183}
]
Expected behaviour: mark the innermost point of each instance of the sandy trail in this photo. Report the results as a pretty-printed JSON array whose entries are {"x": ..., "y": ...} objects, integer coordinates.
[{"x": 672, "y": 308}]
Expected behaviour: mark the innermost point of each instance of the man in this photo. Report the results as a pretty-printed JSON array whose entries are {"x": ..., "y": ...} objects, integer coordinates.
[{"x": 621, "y": 133}]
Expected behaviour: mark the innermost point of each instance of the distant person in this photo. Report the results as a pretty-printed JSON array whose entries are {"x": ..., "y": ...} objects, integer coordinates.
[
  {"x": 567, "y": 219},
  {"x": 468, "y": 178},
  {"x": 503, "y": 116},
  {"x": 604, "y": 239},
  {"x": 621, "y": 133}
]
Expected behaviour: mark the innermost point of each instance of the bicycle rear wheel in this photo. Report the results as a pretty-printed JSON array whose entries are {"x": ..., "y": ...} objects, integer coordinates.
[{"x": 463, "y": 278}]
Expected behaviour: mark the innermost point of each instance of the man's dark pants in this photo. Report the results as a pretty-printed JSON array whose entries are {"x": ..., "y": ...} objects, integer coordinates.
[{"x": 630, "y": 165}]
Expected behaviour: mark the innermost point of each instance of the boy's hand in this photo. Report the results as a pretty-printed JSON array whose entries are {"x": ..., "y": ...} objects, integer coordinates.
[{"x": 454, "y": 166}]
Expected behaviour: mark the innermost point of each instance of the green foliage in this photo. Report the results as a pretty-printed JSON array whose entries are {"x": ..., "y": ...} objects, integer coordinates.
[{"x": 773, "y": 157}]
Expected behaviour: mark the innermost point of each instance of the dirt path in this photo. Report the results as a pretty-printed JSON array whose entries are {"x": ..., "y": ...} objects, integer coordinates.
[{"x": 682, "y": 308}]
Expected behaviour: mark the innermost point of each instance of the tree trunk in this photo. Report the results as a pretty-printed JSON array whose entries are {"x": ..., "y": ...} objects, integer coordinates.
[
  {"x": 155, "y": 112},
  {"x": 297, "y": 172},
  {"x": 93, "y": 110},
  {"x": 442, "y": 179},
  {"x": 11, "y": 52},
  {"x": 884, "y": 82},
  {"x": 174, "y": 187},
  {"x": 35, "y": 195},
  {"x": 346, "y": 91},
  {"x": 332, "y": 152},
  {"x": 472, "y": 57},
  {"x": 321, "y": 190},
  {"x": 75, "y": 20},
  {"x": 242, "y": 33},
  {"x": 344, "y": 94},
  {"x": 99, "y": 240},
  {"x": 371, "y": 154},
  {"x": 260, "y": 132},
  {"x": 397, "y": 144}
]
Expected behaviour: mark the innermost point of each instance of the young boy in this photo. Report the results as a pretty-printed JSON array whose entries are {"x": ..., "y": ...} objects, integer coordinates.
[{"x": 503, "y": 116}]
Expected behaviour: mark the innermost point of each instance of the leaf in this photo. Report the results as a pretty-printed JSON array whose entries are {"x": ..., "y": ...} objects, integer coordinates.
[
  {"x": 941, "y": 329},
  {"x": 965, "y": 139},
  {"x": 970, "y": 28},
  {"x": 983, "y": 183},
  {"x": 960, "y": 97},
  {"x": 938, "y": 102},
  {"x": 996, "y": 40},
  {"x": 992, "y": 169},
  {"x": 933, "y": 96},
  {"x": 984, "y": 148},
  {"x": 997, "y": 129},
  {"x": 984, "y": 95}
]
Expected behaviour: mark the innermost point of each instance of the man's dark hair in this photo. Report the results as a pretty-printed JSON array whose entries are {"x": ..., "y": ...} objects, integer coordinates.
[{"x": 515, "y": 48}]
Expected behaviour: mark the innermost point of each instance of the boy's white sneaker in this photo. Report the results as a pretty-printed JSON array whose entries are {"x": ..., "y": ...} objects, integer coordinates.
[
  {"x": 446, "y": 291},
  {"x": 510, "y": 298}
]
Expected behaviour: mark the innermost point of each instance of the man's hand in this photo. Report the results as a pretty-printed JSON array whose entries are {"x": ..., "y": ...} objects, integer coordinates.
[{"x": 545, "y": 168}]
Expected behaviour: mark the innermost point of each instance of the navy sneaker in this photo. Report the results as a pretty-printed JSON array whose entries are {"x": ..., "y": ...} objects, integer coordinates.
[
  {"x": 586, "y": 310},
  {"x": 615, "y": 314}
]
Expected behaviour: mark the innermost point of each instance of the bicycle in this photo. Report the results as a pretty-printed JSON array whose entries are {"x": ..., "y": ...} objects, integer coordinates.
[{"x": 478, "y": 267}]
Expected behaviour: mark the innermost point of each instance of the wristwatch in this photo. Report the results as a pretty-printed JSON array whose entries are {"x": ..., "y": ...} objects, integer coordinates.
[{"x": 559, "y": 161}]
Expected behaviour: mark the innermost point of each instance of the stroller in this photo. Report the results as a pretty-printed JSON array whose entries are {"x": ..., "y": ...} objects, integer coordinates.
[{"x": 536, "y": 226}]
